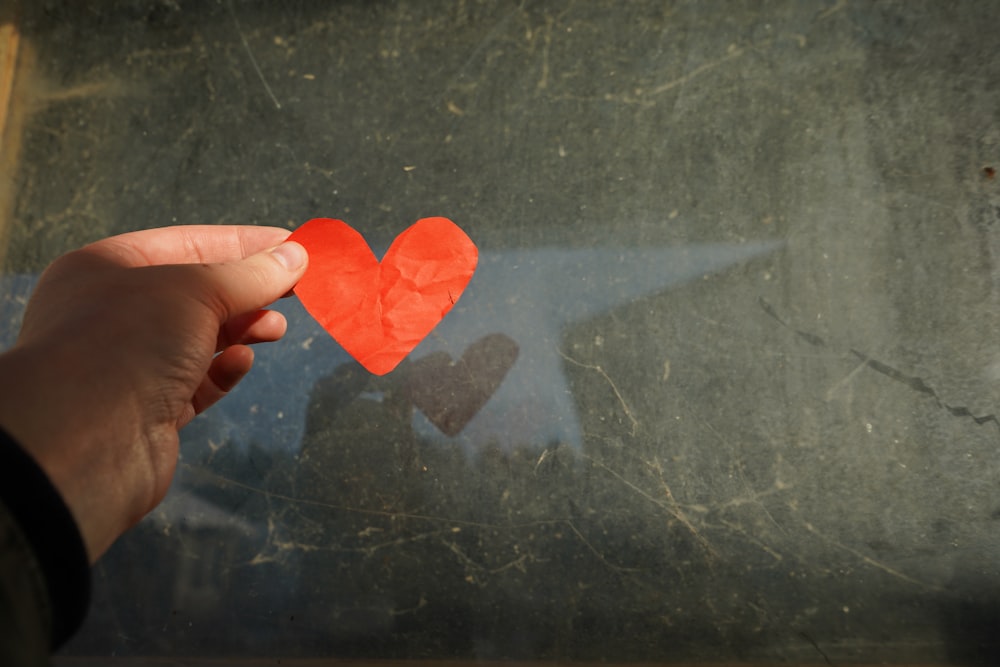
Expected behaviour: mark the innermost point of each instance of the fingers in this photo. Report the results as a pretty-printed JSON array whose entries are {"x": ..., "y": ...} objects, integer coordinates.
[
  {"x": 261, "y": 326},
  {"x": 187, "y": 244},
  {"x": 235, "y": 288},
  {"x": 227, "y": 369}
]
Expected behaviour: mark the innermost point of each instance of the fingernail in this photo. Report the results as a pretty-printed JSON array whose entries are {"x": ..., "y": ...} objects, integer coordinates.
[{"x": 291, "y": 255}]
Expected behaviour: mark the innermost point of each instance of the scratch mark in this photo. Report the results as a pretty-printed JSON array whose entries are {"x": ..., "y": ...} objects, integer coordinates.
[
  {"x": 452, "y": 523},
  {"x": 598, "y": 554},
  {"x": 914, "y": 382},
  {"x": 871, "y": 561},
  {"x": 483, "y": 43},
  {"x": 158, "y": 53},
  {"x": 421, "y": 603},
  {"x": 843, "y": 381},
  {"x": 226, "y": 481},
  {"x": 752, "y": 496},
  {"x": 253, "y": 61},
  {"x": 918, "y": 385},
  {"x": 518, "y": 563},
  {"x": 830, "y": 11},
  {"x": 739, "y": 529},
  {"x": 680, "y": 514},
  {"x": 672, "y": 507},
  {"x": 810, "y": 338},
  {"x": 614, "y": 387},
  {"x": 734, "y": 52},
  {"x": 398, "y": 542},
  {"x": 541, "y": 458},
  {"x": 816, "y": 646},
  {"x": 543, "y": 80}
]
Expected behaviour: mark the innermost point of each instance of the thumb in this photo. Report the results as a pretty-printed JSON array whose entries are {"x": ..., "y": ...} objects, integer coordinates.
[{"x": 256, "y": 281}]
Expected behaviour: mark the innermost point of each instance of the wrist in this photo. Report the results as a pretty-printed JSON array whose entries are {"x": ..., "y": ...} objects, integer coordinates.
[{"x": 41, "y": 410}]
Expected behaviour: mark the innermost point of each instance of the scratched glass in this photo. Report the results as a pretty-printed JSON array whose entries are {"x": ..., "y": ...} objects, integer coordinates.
[{"x": 722, "y": 388}]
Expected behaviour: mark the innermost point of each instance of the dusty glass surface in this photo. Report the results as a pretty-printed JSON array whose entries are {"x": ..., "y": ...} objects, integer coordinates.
[{"x": 723, "y": 387}]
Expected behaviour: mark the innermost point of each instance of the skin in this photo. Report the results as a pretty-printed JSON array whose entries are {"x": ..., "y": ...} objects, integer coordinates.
[{"x": 124, "y": 341}]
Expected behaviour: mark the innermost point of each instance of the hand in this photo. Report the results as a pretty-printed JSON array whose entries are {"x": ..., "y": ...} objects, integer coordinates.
[{"x": 124, "y": 341}]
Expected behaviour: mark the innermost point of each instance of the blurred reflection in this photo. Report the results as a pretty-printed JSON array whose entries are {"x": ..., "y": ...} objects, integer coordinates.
[
  {"x": 313, "y": 498},
  {"x": 533, "y": 296},
  {"x": 529, "y": 297},
  {"x": 490, "y": 373}
]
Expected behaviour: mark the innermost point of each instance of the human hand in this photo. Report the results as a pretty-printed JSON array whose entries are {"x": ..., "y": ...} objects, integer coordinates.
[{"x": 124, "y": 341}]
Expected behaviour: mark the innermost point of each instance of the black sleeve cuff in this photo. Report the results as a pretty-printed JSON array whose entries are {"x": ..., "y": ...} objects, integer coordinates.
[{"x": 50, "y": 528}]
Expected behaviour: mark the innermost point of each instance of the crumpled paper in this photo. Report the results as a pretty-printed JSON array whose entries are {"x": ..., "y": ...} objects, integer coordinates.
[{"x": 380, "y": 311}]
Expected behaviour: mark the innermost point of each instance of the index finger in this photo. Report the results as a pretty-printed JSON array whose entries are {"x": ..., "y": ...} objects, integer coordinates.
[{"x": 188, "y": 244}]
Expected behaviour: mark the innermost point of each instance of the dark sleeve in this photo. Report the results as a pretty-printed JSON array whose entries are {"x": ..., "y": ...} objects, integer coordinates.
[{"x": 44, "y": 570}]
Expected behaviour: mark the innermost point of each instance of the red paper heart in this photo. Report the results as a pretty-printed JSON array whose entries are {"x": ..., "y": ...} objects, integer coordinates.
[
  {"x": 380, "y": 311},
  {"x": 451, "y": 393}
]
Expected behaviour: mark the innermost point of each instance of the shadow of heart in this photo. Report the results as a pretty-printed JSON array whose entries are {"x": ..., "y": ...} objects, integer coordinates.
[{"x": 450, "y": 393}]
